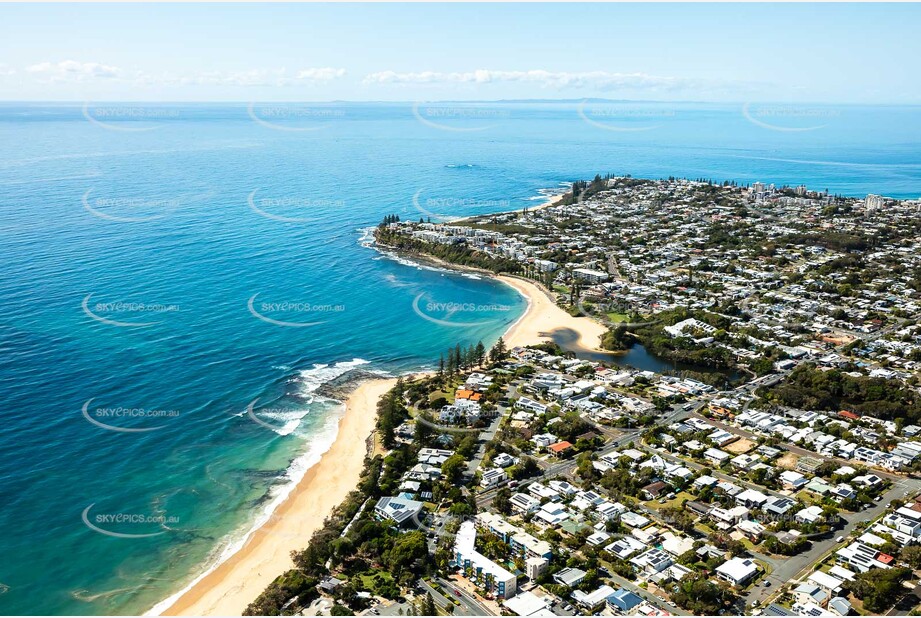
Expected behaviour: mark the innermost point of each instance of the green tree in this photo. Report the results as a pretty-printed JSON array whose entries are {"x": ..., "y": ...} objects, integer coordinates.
[
  {"x": 503, "y": 501},
  {"x": 453, "y": 468},
  {"x": 428, "y": 605},
  {"x": 480, "y": 353},
  {"x": 498, "y": 351},
  {"x": 879, "y": 589},
  {"x": 912, "y": 555},
  {"x": 407, "y": 549}
]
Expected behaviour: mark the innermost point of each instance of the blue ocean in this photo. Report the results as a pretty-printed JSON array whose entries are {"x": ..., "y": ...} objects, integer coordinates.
[{"x": 181, "y": 284}]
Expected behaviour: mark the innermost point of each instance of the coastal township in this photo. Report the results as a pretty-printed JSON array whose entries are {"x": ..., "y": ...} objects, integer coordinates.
[{"x": 767, "y": 466}]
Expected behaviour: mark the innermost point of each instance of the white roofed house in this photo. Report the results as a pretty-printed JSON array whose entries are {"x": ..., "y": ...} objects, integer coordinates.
[
  {"x": 830, "y": 583},
  {"x": 398, "y": 510},
  {"x": 751, "y": 498},
  {"x": 523, "y": 503},
  {"x": 751, "y": 529},
  {"x": 569, "y": 576},
  {"x": 810, "y": 515},
  {"x": 564, "y": 488},
  {"x": 625, "y": 547},
  {"x": 493, "y": 477},
  {"x": 544, "y": 440},
  {"x": 676, "y": 545},
  {"x": 552, "y": 514},
  {"x": 716, "y": 456},
  {"x": 610, "y": 511},
  {"x": 653, "y": 561},
  {"x": 594, "y": 600},
  {"x": 526, "y": 403},
  {"x": 598, "y": 538},
  {"x": 737, "y": 571},
  {"x": 792, "y": 479}
]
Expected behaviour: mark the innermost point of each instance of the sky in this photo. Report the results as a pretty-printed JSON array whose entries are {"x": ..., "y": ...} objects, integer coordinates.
[{"x": 823, "y": 53}]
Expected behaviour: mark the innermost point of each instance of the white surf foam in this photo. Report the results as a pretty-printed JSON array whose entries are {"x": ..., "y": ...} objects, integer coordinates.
[{"x": 318, "y": 443}]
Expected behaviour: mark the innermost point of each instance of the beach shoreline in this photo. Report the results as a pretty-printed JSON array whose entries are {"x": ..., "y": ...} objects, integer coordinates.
[
  {"x": 543, "y": 316},
  {"x": 233, "y": 584}
]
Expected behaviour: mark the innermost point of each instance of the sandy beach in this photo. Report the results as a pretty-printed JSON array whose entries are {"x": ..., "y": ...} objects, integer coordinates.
[
  {"x": 228, "y": 589},
  {"x": 544, "y": 316},
  {"x": 550, "y": 201}
]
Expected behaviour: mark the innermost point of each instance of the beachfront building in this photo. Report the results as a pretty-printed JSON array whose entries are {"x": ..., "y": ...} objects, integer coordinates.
[
  {"x": 399, "y": 510},
  {"x": 591, "y": 275},
  {"x": 492, "y": 577}
]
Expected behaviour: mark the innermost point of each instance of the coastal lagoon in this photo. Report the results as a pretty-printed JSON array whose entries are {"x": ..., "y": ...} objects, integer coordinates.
[{"x": 181, "y": 285}]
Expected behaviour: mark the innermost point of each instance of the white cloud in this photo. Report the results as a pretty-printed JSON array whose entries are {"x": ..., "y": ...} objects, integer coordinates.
[
  {"x": 324, "y": 74},
  {"x": 603, "y": 80},
  {"x": 255, "y": 77},
  {"x": 72, "y": 70}
]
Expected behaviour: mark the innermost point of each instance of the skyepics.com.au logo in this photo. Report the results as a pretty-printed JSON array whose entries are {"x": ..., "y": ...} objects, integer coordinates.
[
  {"x": 452, "y": 313},
  {"x": 282, "y": 421},
  {"x": 458, "y": 118},
  {"x": 265, "y": 310},
  {"x": 623, "y": 118},
  {"x": 291, "y": 209},
  {"x": 128, "y": 209},
  {"x": 295, "y": 117},
  {"x": 114, "y": 418},
  {"x": 128, "y": 118},
  {"x": 107, "y": 312},
  {"x": 788, "y": 118},
  {"x": 122, "y": 525},
  {"x": 430, "y": 207}
]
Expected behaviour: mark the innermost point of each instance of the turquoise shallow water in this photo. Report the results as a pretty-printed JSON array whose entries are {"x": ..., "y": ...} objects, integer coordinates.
[{"x": 212, "y": 224}]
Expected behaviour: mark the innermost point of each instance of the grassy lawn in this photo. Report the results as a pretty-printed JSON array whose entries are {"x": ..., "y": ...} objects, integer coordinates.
[
  {"x": 674, "y": 502},
  {"x": 618, "y": 317},
  {"x": 749, "y": 545},
  {"x": 447, "y": 395},
  {"x": 707, "y": 530},
  {"x": 808, "y": 497},
  {"x": 765, "y": 567},
  {"x": 368, "y": 579}
]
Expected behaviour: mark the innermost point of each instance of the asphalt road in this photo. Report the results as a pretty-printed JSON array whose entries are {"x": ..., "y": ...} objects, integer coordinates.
[{"x": 791, "y": 568}]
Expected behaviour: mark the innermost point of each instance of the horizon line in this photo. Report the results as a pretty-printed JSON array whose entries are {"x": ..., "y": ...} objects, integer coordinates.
[{"x": 85, "y": 101}]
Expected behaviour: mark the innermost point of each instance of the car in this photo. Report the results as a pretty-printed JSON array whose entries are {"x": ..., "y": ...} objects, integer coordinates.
[
  {"x": 840, "y": 539},
  {"x": 766, "y": 584},
  {"x": 456, "y": 592}
]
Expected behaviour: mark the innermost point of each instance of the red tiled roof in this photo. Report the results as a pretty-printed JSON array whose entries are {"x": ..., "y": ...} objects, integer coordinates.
[{"x": 559, "y": 447}]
